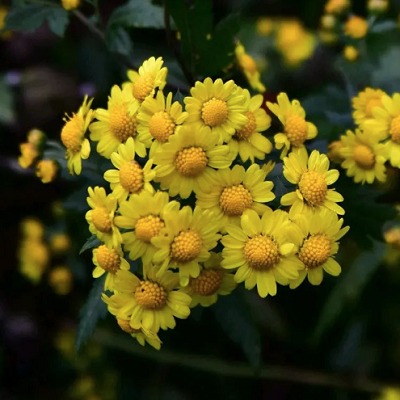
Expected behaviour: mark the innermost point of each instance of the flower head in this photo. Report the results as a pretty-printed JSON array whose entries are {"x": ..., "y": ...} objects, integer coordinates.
[
  {"x": 34, "y": 259},
  {"x": 377, "y": 6},
  {"x": 350, "y": 53},
  {"x": 356, "y": 27},
  {"x": 47, "y": 170},
  {"x": 70, "y": 4},
  {"x": 61, "y": 280},
  {"x": 336, "y": 6},
  {"x": 29, "y": 154},
  {"x": 334, "y": 151},
  {"x": 60, "y": 243},
  {"x": 365, "y": 102},
  {"x": 142, "y": 335},
  {"x": 265, "y": 26}
]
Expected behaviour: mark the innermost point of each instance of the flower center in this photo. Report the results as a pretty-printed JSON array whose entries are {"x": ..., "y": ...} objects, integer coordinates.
[
  {"x": 101, "y": 219},
  {"x": 395, "y": 130},
  {"x": 108, "y": 259},
  {"x": 161, "y": 126},
  {"x": 122, "y": 125},
  {"x": 143, "y": 86},
  {"x": 214, "y": 112},
  {"x": 131, "y": 176},
  {"x": 151, "y": 295},
  {"x": 247, "y": 63},
  {"x": 148, "y": 227},
  {"x": 191, "y": 161},
  {"x": 126, "y": 327},
  {"x": 313, "y": 187},
  {"x": 364, "y": 157},
  {"x": 248, "y": 129},
  {"x": 235, "y": 200},
  {"x": 296, "y": 130},
  {"x": 261, "y": 252},
  {"x": 207, "y": 283},
  {"x": 315, "y": 251},
  {"x": 371, "y": 105},
  {"x": 72, "y": 134},
  {"x": 186, "y": 246}
]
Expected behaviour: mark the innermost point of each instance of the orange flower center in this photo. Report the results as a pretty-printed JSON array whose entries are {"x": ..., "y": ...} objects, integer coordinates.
[
  {"x": 161, "y": 126},
  {"x": 186, "y": 246},
  {"x": 207, "y": 283},
  {"x": 151, "y": 295},
  {"x": 191, "y": 161},
  {"x": 364, "y": 157},
  {"x": 108, "y": 259},
  {"x": 296, "y": 130},
  {"x": 214, "y": 112},
  {"x": 261, "y": 252},
  {"x": 395, "y": 130},
  {"x": 249, "y": 128},
  {"x": 126, "y": 327},
  {"x": 371, "y": 105},
  {"x": 235, "y": 200},
  {"x": 101, "y": 220},
  {"x": 143, "y": 86},
  {"x": 313, "y": 187},
  {"x": 72, "y": 134},
  {"x": 131, "y": 176},
  {"x": 315, "y": 251},
  {"x": 148, "y": 227},
  {"x": 122, "y": 125}
]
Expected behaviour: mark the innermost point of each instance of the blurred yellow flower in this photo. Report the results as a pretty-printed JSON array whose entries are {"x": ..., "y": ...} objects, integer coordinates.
[
  {"x": 377, "y": 6},
  {"x": 60, "y": 243},
  {"x": 365, "y": 102},
  {"x": 61, "y": 280},
  {"x": 356, "y": 27},
  {"x": 336, "y": 6},
  {"x": 33, "y": 259},
  {"x": 350, "y": 53},
  {"x": 265, "y": 26},
  {"x": 29, "y": 154},
  {"x": 47, "y": 170},
  {"x": 70, "y": 4},
  {"x": 334, "y": 151}
]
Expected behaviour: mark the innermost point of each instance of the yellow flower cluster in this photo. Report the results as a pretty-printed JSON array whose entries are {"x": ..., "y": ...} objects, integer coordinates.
[{"x": 189, "y": 211}]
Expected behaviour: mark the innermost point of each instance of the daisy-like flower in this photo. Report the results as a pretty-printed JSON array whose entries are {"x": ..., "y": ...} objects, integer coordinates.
[
  {"x": 142, "y": 335},
  {"x": 47, "y": 170},
  {"x": 249, "y": 68},
  {"x": 144, "y": 214},
  {"x": 151, "y": 75},
  {"x": 151, "y": 303},
  {"x": 261, "y": 251},
  {"x": 218, "y": 106},
  {"x": 312, "y": 177},
  {"x": 159, "y": 119},
  {"x": 73, "y": 137},
  {"x": 248, "y": 142},
  {"x": 117, "y": 124},
  {"x": 365, "y": 102},
  {"x": 129, "y": 177},
  {"x": 316, "y": 239},
  {"x": 185, "y": 164},
  {"x": 212, "y": 281},
  {"x": 108, "y": 261},
  {"x": 364, "y": 157},
  {"x": 296, "y": 129},
  {"x": 186, "y": 241},
  {"x": 101, "y": 217},
  {"x": 235, "y": 191}
]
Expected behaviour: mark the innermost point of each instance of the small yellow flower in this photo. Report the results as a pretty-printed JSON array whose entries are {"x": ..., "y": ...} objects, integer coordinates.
[
  {"x": 142, "y": 335},
  {"x": 33, "y": 259},
  {"x": 350, "y": 53},
  {"x": 108, "y": 261},
  {"x": 392, "y": 237},
  {"x": 47, "y": 170},
  {"x": 328, "y": 21},
  {"x": 73, "y": 136},
  {"x": 29, "y": 154},
  {"x": 32, "y": 228},
  {"x": 364, "y": 157},
  {"x": 36, "y": 137},
  {"x": 296, "y": 129},
  {"x": 265, "y": 26},
  {"x": 70, "y": 4},
  {"x": 60, "y": 243},
  {"x": 312, "y": 177},
  {"x": 151, "y": 76},
  {"x": 3, "y": 14},
  {"x": 129, "y": 177},
  {"x": 101, "y": 217},
  {"x": 365, "y": 102},
  {"x": 336, "y": 6},
  {"x": 377, "y": 6},
  {"x": 61, "y": 280},
  {"x": 356, "y": 27},
  {"x": 334, "y": 151}
]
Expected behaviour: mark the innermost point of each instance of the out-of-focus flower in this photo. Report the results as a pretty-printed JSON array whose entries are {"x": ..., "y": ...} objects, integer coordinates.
[
  {"x": 46, "y": 170},
  {"x": 334, "y": 151},
  {"x": 36, "y": 137},
  {"x": 33, "y": 257},
  {"x": 392, "y": 237},
  {"x": 336, "y": 6},
  {"x": 61, "y": 279},
  {"x": 328, "y": 21},
  {"x": 70, "y": 4},
  {"x": 378, "y": 6},
  {"x": 350, "y": 53},
  {"x": 29, "y": 154},
  {"x": 32, "y": 228},
  {"x": 265, "y": 26},
  {"x": 364, "y": 104},
  {"x": 356, "y": 27},
  {"x": 60, "y": 243}
]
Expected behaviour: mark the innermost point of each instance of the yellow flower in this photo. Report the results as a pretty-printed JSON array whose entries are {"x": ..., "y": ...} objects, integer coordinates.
[
  {"x": 356, "y": 27},
  {"x": 32, "y": 228},
  {"x": 312, "y": 177},
  {"x": 365, "y": 102},
  {"x": 47, "y": 170},
  {"x": 235, "y": 191},
  {"x": 151, "y": 303},
  {"x": 334, "y": 151},
  {"x": 212, "y": 281},
  {"x": 377, "y": 6},
  {"x": 36, "y": 137},
  {"x": 364, "y": 157},
  {"x": 185, "y": 164},
  {"x": 392, "y": 237},
  {"x": 117, "y": 124},
  {"x": 249, "y": 67},
  {"x": 29, "y": 154},
  {"x": 186, "y": 241},
  {"x": 101, "y": 217},
  {"x": 265, "y": 26},
  {"x": 70, "y": 4},
  {"x": 61, "y": 280},
  {"x": 144, "y": 214},
  {"x": 316, "y": 239},
  {"x": 328, "y": 21},
  {"x": 261, "y": 251},
  {"x": 108, "y": 261},
  {"x": 141, "y": 335},
  {"x": 33, "y": 259},
  {"x": 296, "y": 129},
  {"x": 73, "y": 136},
  {"x": 151, "y": 76},
  {"x": 218, "y": 106},
  {"x": 60, "y": 243},
  {"x": 336, "y": 6},
  {"x": 350, "y": 53},
  {"x": 129, "y": 177},
  {"x": 248, "y": 142},
  {"x": 159, "y": 119}
]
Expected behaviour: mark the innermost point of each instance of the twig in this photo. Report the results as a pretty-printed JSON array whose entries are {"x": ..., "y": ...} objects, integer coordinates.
[{"x": 91, "y": 26}]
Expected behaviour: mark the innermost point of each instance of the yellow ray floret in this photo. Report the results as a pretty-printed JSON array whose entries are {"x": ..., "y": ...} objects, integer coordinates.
[
  {"x": 47, "y": 170},
  {"x": 365, "y": 102}
]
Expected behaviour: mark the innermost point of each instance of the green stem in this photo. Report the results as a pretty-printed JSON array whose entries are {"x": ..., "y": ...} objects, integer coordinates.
[{"x": 91, "y": 26}]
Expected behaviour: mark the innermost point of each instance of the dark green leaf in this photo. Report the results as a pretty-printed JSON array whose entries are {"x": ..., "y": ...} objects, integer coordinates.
[
  {"x": 179, "y": 97},
  {"x": 58, "y": 19},
  {"x": 90, "y": 244},
  {"x": 7, "y": 114},
  {"x": 91, "y": 312},
  {"x": 338, "y": 119},
  {"x": 383, "y": 26},
  {"x": 118, "y": 41}
]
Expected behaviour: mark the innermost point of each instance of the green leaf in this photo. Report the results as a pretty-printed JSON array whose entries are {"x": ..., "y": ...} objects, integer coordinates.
[
  {"x": 90, "y": 243},
  {"x": 383, "y": 26},
  {"x": 58, "y": 19},
  {"x": 118, "y": 41},
  {"x": 91, "y": 312},
  {"x": 7, "y": 115}
]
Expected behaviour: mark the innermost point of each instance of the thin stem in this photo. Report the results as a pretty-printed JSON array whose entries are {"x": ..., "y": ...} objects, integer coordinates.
[{"x": 91, "y": 26}]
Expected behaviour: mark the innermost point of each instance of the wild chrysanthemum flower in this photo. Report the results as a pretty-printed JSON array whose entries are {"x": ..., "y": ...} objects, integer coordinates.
[
  {"x": 212, "y": 281},
  {"x": 73, "y": 136},
  {"x": 336, "y": 6},
  {"x": 60, "y": 243},
  {"x": 377, "y": 6},
  {"x": 159, "y": 118},
  {"x": 186, "y": 241},
  {"x": 350, "y": 53},
  {"x": 129, "y": 177},
  {"x": 316, "y": 238},
  {"x": 47, "y": 170},
  {"x": 70, "y": 4},
  {"x": 151, "y": 75},
  {"x": 143, "y": 214},
  {"x": 36, "y": 137},
  {"x": 365, "y": 102},
  {"x": 108, "y": 261},
  {"x": 356, "y": 27},
  {"x": 29, "y": 154},
  {"x": 61, "y": 280},
  {"x": 312, "y": 177},
  {"x": 364, "y": 157},
  {"x": 185, "y": 164},
  {"x": 248, "y": 142},
  {"x": 261, "y": 251},
  {"x": 249, "y": 67},
  {"x": 141, "y": 335},
  {"x": 117, "y": 124},
  {"x": 218, "y": 106},
  {"x": 296, "y": 129},
  {"x": 151, "y": 303},
  {"x": 32, "y": 228},
  {"x": 265, "y": 26},
  {"x": 235, "y": 191},
  {"x": 101, "y": 217},
  {"x": 34, "y": 259},
  {"x": 334, "y": 151}
]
